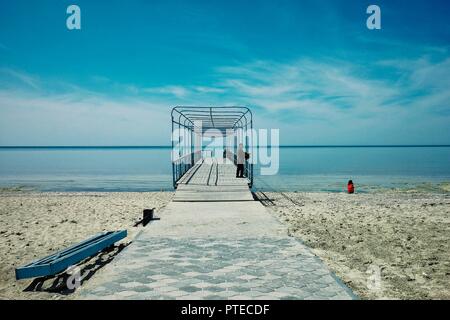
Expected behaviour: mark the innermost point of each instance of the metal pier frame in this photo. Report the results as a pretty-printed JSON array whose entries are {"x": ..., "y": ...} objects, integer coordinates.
[{"x": 235, "y": 119}]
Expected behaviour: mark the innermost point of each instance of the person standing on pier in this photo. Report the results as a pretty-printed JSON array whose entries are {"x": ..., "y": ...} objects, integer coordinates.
[{"x": 240, "y": 162}]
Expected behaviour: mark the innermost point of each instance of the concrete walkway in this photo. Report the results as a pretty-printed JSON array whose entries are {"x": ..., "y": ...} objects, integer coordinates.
[{"x": 215, "y": 250}]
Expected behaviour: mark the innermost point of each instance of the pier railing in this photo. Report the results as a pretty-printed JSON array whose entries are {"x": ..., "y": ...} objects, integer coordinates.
[{"x": 182, "y": 165}]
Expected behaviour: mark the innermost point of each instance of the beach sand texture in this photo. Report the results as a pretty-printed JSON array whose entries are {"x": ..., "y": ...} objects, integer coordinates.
[
  {"x": 406, "y": 235},
  {"x": 402, "y": 236},
  {"x": 34, "y": 225}
]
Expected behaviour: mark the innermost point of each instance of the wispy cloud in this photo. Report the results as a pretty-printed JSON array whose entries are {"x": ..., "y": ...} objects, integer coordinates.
[
  {"x": 332, "y": 88},
  {"x": 177, "y": 91},
  {"x": 304, "y": 89},
  {"x": 22, "y": 77},
  {"x": 380, "y": 99},
  {"x": 74, "y": 119},
  {"x": 31, "y": 114}
]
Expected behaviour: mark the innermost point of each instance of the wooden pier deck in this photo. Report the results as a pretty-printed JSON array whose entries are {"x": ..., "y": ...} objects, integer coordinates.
[{"x": 212, "y": 180}]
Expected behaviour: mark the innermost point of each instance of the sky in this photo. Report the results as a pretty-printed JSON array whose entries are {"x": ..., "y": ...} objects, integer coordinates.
[{"x": 311, "y": 69}]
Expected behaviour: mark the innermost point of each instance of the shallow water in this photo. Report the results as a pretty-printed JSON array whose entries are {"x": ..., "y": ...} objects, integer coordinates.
[
  {"x": 300, "y": 169},
  {"x": 370, "y": 168}
]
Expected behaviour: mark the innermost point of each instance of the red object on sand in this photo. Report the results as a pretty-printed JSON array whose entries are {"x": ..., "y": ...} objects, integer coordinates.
[{"x": 351, "y": 188}]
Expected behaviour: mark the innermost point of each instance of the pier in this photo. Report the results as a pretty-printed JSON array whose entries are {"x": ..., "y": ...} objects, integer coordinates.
[{"x": 214, "y": 241}]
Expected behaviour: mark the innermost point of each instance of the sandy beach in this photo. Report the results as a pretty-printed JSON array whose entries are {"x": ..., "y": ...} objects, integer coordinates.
[
  {"x": 33, "y": 225},
  {"x": 390, "y": 245},
  {"x": 403, "y": 237}
]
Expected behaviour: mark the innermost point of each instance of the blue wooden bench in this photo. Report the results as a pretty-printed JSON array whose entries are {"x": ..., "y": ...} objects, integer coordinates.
[{"x": 59, "y": 261}]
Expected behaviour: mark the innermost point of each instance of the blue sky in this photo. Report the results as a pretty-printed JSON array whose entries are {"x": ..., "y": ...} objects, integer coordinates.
[{"x": 310, "y": 68}]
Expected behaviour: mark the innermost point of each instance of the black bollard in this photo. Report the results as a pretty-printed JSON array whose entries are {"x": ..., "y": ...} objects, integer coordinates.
[{"x": 148, "y": 216}]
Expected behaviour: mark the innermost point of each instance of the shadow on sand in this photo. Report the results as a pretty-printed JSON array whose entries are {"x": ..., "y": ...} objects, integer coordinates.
[
  {"x": 263, "y": 198},
  {"x": 88, "y": 267}
]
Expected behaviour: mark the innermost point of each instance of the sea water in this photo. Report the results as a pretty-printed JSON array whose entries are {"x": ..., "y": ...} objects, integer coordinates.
[{"x": 315, "y": 169}]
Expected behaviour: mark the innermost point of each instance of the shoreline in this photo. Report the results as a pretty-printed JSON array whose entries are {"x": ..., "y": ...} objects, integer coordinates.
[
  {"x": 402, "y": 235},
  {"x": 284, "y": 183}
]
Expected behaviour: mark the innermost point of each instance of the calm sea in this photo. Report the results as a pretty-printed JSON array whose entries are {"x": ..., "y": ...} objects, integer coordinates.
[{"x": 301, "y": 169}]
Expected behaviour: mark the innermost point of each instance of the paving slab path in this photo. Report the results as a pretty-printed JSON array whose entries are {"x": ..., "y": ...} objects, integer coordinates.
[{"x": 205, "y": 247}]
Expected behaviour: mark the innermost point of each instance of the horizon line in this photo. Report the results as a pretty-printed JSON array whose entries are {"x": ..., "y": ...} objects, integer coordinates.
[{"x": 269, "y": 146}]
